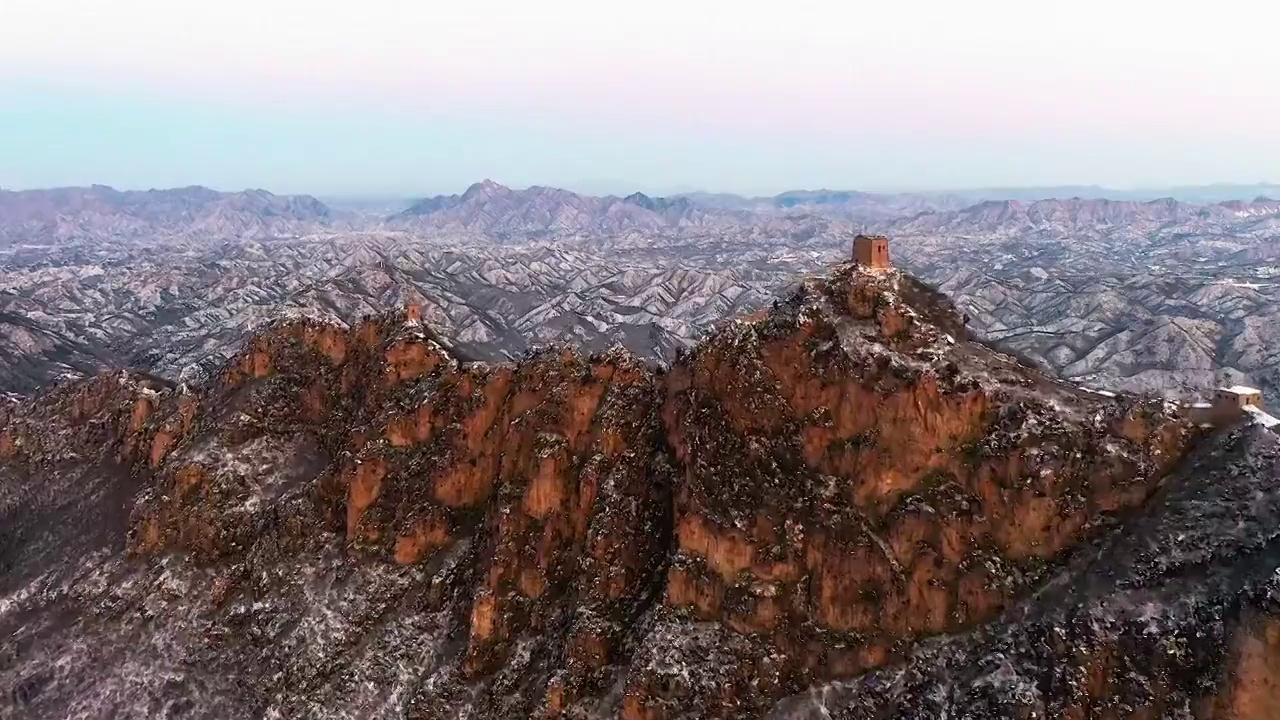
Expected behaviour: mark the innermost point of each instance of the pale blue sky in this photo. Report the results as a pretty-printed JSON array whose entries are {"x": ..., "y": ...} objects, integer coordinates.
[{"x": 390, "y": 97}]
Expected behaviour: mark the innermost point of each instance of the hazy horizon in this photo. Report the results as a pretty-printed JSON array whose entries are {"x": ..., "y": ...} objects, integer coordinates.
[
  {"x": 1197, "y": 193},
  {"x": 380, "y": 99}
]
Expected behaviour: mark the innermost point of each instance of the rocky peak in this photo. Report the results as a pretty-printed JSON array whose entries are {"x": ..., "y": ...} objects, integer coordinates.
[
  {"x": 352, "y": 521},
  {"x": 642, "y": 200},
  {"x": 484, "y": 190}
]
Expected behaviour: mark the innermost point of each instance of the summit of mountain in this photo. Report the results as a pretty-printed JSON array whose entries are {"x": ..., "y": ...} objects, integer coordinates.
[
  {"x": 493, "y": 208},
  {"x": 352, "y": 521}
]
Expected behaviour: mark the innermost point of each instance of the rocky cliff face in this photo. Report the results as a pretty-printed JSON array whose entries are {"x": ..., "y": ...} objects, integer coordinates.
[
  {"x": 854, "y": 478},
  {"x": 1172, "y": 615},
  {"x": 351, "y": 522}
]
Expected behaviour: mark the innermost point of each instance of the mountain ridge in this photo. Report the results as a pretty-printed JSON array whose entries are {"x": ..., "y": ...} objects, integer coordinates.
[
  {"x": 98, "y": 210},
  {"x": 351, "y": 521},
  {"x": 488, "y": 207}
]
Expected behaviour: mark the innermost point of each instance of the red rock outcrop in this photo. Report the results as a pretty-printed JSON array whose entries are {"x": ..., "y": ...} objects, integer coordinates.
[
  {"x": 853, "y": 479},
  {"x": 800, "y": 498},
  {"x": 547, "y": 474}
]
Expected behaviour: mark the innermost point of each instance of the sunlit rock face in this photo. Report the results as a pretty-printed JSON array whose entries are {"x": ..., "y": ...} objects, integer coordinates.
[
  {"x": 855, "y": 477},
  {"x": 1170, "y": 614},
  {"x": 839, "y": 505}
]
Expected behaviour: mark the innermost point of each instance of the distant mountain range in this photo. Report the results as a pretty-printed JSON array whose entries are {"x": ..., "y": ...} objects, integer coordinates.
[
  {"x": 489, "y": 208},
  {"x": 1202, "y": 194},
  {"x": 493, "y": 208},
  {"x": 1159, "y": 295},
  {"x": 1184, "y": 193},
  {"x": 64, "y": 213}
]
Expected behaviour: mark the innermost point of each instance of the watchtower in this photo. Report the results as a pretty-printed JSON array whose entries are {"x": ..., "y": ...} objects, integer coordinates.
[
  {"x": 1229, "y": 403},
  {"x": 1236, "y": 398},
  {"x": 871, "y": 251}
]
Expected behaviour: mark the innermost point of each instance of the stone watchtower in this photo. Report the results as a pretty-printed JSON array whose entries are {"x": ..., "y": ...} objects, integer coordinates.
[
  {"x": 871, "y": 251},
  {"x": 1229, "y": 403}
]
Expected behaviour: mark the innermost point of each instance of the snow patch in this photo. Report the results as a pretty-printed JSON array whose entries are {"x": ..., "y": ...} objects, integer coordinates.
[{"x": 1262, "y": 418}]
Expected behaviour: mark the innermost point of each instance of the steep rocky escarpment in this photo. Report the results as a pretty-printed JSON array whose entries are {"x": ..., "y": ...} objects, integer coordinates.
[
  {"x": 351, "y": 522},
  {"x": 333, "y": 497},
  {"x": 853, "y": 478},
  {"x": 1172, "y": 615}
]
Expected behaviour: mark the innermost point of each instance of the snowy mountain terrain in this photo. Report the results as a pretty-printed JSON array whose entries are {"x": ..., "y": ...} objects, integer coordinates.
[{"x": 1158, "y": 295}]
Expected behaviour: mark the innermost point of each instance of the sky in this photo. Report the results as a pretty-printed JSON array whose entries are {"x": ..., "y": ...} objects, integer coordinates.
[{"x": 406, "y": 98}]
